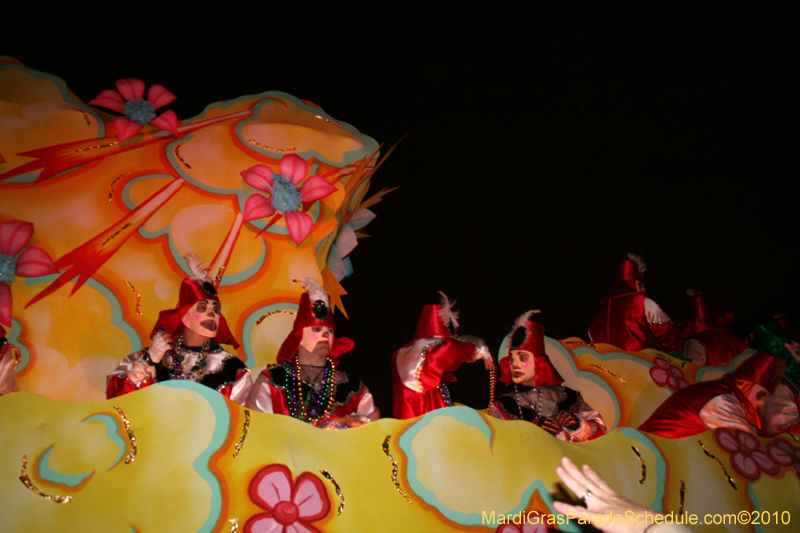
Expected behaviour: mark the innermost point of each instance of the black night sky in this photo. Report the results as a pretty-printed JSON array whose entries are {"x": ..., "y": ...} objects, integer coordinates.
[{"x": 544, "y": 142}]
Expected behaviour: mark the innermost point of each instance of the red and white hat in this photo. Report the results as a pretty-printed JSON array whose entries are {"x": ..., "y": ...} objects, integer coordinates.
[
  {"x": 761, "y": 368},
  {"x": 528, "y": 335},
  {"x": 315, "y": 310},
  {"x": 438, "y": 320},
  {"x": 194, "y": 289}
]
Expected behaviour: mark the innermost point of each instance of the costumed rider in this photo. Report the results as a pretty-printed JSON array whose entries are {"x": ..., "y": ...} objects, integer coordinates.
[
  {"x": 9, "y": 360},
  {"x": 781, "y": 411},
  {"x": 628, "y": 319},
  {"x": 305, "y": 382},
  {"x": 186, "y": 345},
  {"x": 538, "y": 395},
  {"x": 421, "y": 368},
  {"x": 734, "y": 401},
  {"x": 707, "y": 341}
]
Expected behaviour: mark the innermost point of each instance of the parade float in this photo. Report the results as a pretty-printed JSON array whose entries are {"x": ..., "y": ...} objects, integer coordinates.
[{"x": 108, "y": 205}]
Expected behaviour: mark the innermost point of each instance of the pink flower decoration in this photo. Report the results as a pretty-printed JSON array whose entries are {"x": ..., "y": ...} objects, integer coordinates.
[
  {"x": 288, "y": 196},
  {"x": 290, "y": 507},
  {"x": 138, "y": 111},
  {"x": 14, "y": 235},
  {"x": 666, "y": 374},
  {"x": 784, "y": 454},
  {"x": 746, "y": 457}
]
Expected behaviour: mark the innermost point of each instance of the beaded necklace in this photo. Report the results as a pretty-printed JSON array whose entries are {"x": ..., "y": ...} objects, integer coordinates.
[
  {"x": 299, "y": 394},
  {"x": 535, "y": 407},
  {"x": 198, "y": 370},
  {"x": 445, "y": 392}
]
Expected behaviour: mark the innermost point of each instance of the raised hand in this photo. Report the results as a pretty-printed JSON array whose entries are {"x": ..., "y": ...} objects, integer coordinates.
[
  {"x": 600, "y": 500},
  {"x": 162, "y": 342}
]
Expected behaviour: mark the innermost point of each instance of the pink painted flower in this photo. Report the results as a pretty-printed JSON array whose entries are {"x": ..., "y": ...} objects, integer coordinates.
[
  {"x": 138, "y": 111},
  {"x": 665, "y": 374},
  {"x": 784, "y": 454},
  {"x": 746, "y": 457},
  {"x": 288, "y": 196},
  {"x": 14, "y": 235},
  {"x": 290, "y": 507}
]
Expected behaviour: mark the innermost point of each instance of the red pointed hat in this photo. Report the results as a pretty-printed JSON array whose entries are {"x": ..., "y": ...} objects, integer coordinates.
[
  {"x": 631, "y": 269},
  {"x": 315, "y": 310},
  {"x": 698, "y": 306},
  {"x": 761, "y": 368},
  {"x": 701, "y": 312},
  {"x": 528, "y": 335},
  {"x": 197, "y": 288},
  {"x": 439, "y": 320}
]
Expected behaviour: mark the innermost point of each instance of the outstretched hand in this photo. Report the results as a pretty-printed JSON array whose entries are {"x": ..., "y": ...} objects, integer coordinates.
[
  {"x": 600, "y": 500},
  {"x": 481, "y": 350}
]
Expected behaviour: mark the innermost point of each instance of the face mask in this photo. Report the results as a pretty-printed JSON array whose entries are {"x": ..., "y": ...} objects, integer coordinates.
[
  {"x": 522, "y": 367},
  {"x": 317, "y": 339},
  {"x": 203, "y": 318}
]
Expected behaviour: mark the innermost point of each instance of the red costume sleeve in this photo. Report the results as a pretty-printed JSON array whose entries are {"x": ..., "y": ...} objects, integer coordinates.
[
  {"x": 679, "y": 415},
  {"x": 442, "y": 360},
  {"x": 120, "y": 384},
  {"x": 418, "y": 371},
  {"x": 668, "y": 336}
]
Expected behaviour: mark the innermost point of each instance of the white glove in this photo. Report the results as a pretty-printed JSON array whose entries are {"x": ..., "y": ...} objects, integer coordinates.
[
  {"x": 161, "y": 344},
  {"x": 140, "y": 372}
]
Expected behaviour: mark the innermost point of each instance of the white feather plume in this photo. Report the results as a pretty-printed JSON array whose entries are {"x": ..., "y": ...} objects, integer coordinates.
[
  {"x": 197, "y": 267},
  {"x": 522, "y": 320},
  {"x": 692, "y": 292},
  {"x": 447, "y": 313},
  {"x": 638, "y": 259},
  {"x": 315, "y": 291}
]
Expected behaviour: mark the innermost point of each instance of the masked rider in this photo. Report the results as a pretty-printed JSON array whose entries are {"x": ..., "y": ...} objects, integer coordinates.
[{"x": 186, "y": 345}]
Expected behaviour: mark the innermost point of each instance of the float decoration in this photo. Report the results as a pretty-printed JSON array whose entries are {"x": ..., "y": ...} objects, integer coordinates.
[
  {"x": 16, "y": 260},
  {"x": 138, "y": 111},
  {"x": 461, "y": 469},
  {"x": 117, "y": 216}
]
